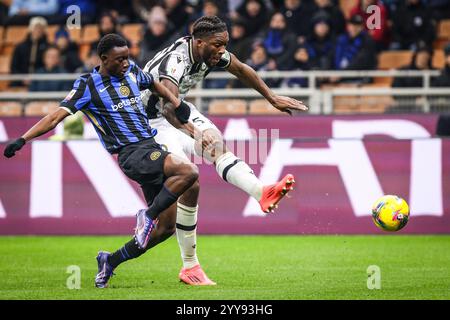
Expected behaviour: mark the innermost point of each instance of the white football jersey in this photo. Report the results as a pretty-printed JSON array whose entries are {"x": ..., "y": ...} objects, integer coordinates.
[{"x": 176, "y": 63}]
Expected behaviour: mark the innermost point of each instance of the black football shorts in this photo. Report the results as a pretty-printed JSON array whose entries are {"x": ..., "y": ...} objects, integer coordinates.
[{"x": 143, "y": 162}]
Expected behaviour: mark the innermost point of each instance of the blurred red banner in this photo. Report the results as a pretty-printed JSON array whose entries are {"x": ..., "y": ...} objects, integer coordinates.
[{"x": 342, "y": 164}]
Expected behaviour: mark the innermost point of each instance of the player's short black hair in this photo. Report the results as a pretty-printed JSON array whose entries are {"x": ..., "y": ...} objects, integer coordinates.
[
  {"x": 110, "y": 41},
  {"x": 207, "y": 26}
]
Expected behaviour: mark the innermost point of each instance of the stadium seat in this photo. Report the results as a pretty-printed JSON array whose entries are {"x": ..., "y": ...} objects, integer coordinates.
[
  {"x": 227, "y": 106},
  {"x": 443, "y": 31},
  {"x": 438, "y": 59},
  {"x": 2, "y": 33},
  {"x": 133, "y": 32},
  {"x": 75, "y": 34},
  {"x": 51, "y": 31},
  {"x": 5, "y": 64},
  {"x": 15, "y": 34},
  {"x": 262, "y": 106},
  {"x": 83, "y": 51},
  {"x": 394, "y": 59},
  {"x": 10, "y": 109},
  {"x": 346, "y": 104},
  {"x": 40, "y": 108},
  {"x": 388, "y": 60},
  {"x": 442, "y": 35},
  {"x": 90, "y": 34},
  {"x": 374, "y": 104}
]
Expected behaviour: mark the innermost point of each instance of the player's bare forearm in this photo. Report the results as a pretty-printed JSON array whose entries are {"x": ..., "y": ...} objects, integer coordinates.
[
  {"x": 168, "y": 110},
  {"x": 47, "y": 123},
  {"x": 164, "y": 92},
  {"x": 250, "y": 78}
]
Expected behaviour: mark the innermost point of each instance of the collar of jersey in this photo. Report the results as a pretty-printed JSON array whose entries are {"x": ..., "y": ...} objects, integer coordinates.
[
  {"x": 97, "y": 68},
  {"x": 191, "y": 52}
]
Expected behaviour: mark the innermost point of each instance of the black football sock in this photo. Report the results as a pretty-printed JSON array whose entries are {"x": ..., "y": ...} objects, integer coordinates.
[
  {"x": 129, "y": 251},
  {"x": 164, "y": 199}
]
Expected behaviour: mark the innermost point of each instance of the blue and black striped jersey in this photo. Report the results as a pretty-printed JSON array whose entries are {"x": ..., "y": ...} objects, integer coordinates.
[{"x": 113, "y": 105}]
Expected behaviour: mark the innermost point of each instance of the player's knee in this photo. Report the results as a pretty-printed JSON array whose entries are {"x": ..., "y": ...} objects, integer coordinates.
[
  {"x": 190, "y": 173},
  {"x": 195, "y": 188}
]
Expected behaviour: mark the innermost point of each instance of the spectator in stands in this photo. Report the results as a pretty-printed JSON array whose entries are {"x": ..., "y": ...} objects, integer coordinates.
[
  {"x": 52, "y": 64},
  {"x": 280, "y": 42},
  {"x": 440, "y": 9},
  {"x": 240, "y": 44},
  {"x": 106, "y": 25},
  {"x": 298, "y": 14},
  {"x": 211, "y": 8},
  {"x": 68, "y": 50},
  {"x": 124, "y": 13},
  {"x": 142, "y": 8},
  {"x": 21, "y": 11},
  {"x": 301, "y": 61},
  {"x": 256, "y": 15},
  {"x": 177, "y": 14},
  {"x": 259, "y": 61},
  {"x": 337, "y": 19},
  {"x": 27, "y": 55},
  {"x": 355, "y": 50},
  {"x": 380, "y": 34},
  {"x": 443, "y": 80},
  {"x": 321, "y": 44},
  {"x": 90, "y": 62},
  {"x": 421, "y": 60},
  {"x": 156, "y": 36},
  {"x": 412, "y": 22}
]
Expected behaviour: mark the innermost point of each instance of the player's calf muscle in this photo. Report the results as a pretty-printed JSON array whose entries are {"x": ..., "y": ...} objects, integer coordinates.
[{"x": 190, "y": 197}]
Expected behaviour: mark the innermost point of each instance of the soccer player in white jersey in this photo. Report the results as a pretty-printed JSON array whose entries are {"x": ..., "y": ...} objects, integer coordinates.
[{"x": 185, "y": 131}]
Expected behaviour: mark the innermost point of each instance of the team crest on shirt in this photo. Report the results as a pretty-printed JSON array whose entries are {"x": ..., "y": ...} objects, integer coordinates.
[
  {"x": 124, "y": 91},
  {"x": 155, "y": 155},
  {"x": 132, "y": 77}
]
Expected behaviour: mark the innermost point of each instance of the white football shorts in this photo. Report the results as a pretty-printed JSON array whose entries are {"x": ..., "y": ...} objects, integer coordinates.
[{"x": 174, "y": 140}]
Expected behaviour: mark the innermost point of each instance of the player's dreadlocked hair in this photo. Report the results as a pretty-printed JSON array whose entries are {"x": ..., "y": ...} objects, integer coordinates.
[
  {"x": 207, "y": 26},
  {"x": 110, "y": 41}
]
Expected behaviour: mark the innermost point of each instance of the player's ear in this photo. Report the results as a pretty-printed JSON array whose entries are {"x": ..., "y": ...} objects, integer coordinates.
[
  {"x": 199, "y": 42},
  {"x": 104, "y": 58}
]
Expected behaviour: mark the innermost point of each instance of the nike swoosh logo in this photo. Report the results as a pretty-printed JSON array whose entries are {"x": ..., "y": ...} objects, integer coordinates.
[{"x": 101, "y": 90}]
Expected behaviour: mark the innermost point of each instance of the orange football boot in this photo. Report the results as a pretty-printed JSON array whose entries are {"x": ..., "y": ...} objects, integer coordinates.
[
  {"x": 195, "y": 276},
  {"x": 272, "y": 194}
]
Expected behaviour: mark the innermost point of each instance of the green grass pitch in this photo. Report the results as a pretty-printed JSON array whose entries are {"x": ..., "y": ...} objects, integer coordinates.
[{"x": 245, "y": 267}]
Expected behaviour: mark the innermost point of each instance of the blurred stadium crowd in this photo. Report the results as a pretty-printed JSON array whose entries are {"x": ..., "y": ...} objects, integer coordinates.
[{"x": 266, "y": 34}]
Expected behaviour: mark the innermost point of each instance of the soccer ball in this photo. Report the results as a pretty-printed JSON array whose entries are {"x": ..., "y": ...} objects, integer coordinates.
[{"x": 390, "y": 213}]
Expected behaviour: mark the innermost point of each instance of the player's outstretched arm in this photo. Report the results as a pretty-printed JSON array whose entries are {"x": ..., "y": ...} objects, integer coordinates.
[
  {"x": 249, "y": 76},
  {"x": 172, "y": 111},
  {"x": 44, "y": 125}
]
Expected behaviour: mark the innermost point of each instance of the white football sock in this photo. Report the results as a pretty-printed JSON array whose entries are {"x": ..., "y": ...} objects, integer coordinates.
[
  {"x": 187, "y": 234},
  {"x": 238, "y": 173}
]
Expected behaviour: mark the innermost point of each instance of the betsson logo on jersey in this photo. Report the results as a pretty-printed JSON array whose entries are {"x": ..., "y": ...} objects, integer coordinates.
[{"x": 133, "y": 102}]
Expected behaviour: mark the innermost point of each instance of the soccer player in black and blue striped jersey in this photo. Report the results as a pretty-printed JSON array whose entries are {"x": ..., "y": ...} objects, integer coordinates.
[{"x": 110, "y": 97}]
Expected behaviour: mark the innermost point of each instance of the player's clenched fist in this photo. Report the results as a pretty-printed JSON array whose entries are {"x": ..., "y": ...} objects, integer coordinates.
[{"x": 14, "y": 146}]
